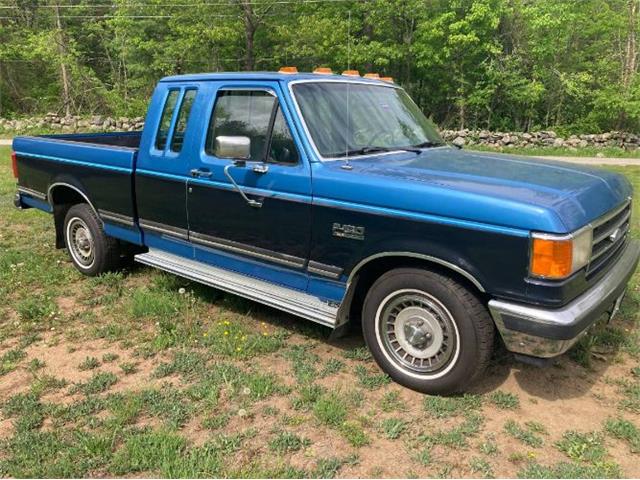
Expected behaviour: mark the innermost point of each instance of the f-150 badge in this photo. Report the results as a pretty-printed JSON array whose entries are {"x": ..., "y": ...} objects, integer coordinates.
[{"x": 348, "y": 231}]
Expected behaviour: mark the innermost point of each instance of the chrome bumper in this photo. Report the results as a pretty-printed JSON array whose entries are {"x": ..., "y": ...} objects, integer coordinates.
[{"x": 546, "y": 333}]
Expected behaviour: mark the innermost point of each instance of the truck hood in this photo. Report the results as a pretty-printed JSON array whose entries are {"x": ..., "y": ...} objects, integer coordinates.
[{"x": 496, "y": 189}]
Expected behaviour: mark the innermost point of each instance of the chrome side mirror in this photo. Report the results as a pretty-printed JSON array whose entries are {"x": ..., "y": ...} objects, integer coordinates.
[{"x": 236, "y": 147}]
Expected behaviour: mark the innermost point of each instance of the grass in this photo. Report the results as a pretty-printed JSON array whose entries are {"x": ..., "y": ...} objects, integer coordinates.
[
  {"x": 144, "y": 374},
  {"x": 624, "y": 430},
  {"x": 608, "y": 152}
]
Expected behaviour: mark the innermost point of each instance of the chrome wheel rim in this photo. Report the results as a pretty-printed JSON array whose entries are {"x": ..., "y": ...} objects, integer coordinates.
[
  {"x": 417, "y": 331},
  {"x": 80, "y": 242}
]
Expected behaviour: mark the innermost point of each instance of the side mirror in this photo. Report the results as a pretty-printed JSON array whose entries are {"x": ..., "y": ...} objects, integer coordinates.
[{"x": 238, "y": 148}]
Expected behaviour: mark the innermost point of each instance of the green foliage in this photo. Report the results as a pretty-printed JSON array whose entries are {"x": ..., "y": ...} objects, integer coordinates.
[
  {"x": 624, "y": 430},
  {"x": 504, "y": 400},
  {"x": 499, "y": 64},
  {"x": 578, "y": 446},
  {"x": 525, "y": 435}
]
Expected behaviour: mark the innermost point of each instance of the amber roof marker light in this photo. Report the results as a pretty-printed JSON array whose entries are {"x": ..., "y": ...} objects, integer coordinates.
[
  {"x": 323, "y": 71},
  {"x": 288, "y": 70},
  {"x": 375, "y": 76},
  {"x": 351, "y": 73},
  {"x": 387, "y": 79}
]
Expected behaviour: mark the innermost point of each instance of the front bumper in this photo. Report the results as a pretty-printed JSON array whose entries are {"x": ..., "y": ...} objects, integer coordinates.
[{"x": 546, "y": 333}]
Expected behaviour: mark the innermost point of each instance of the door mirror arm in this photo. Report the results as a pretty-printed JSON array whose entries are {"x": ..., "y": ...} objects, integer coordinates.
[{"x": 240, "y": 163}]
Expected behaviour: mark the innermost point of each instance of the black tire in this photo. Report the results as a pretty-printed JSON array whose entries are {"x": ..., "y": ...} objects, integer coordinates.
[
  {"x": 444, "y": 332},
  {"x": 91, "y": 251}
]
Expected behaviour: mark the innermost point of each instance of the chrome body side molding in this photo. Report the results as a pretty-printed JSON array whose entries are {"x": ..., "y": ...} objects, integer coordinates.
[
  {"x": 164, "y": 229},
  {"x": 32, "y": 193},
  {"x": 114, "y": 217},
  {"x": 429, "y": 258},
  {"x": 285, "y": 299}
]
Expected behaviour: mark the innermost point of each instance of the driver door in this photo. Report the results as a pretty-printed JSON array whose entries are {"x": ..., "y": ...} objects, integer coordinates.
[{"x": 264, "y": 233}]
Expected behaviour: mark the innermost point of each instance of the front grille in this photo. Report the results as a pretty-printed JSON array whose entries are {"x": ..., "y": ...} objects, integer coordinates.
[{"x": 609, "y": 234}]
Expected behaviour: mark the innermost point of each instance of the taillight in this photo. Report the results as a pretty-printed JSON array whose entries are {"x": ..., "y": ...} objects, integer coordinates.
[{"x": 14, "y": 164}]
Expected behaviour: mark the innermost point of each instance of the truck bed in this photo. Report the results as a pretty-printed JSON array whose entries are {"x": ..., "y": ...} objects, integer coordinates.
[{"x": 98, "y": 166}]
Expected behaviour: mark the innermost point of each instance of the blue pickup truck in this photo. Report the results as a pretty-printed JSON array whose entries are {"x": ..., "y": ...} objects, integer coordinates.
[{"x": 333, "y": 198}]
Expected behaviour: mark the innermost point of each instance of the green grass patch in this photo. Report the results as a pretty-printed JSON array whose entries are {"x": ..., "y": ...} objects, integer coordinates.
[
  {"x": 504, "y": 400},
  {"x": 525, "y": 435},
  {"x": 443, "y": 407},
  {"x": 287, "y": 442},
  {"x": 571, "y": 470},
  {"x": 586, "y": 447},
  {"x": 624, "y": 430},
  {"x": 330, "y": 410},
  {"x": 98, "y": 383},
  {"x": 369, "y": 379}
]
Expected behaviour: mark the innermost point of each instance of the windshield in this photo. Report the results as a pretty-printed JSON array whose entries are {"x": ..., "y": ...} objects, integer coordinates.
[{"x": 347, "y": 118}]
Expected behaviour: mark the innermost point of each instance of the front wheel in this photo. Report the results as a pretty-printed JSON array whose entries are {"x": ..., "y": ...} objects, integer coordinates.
[
  {"x": 91, "y": 250},
  {"x": 427, "y": 331}
]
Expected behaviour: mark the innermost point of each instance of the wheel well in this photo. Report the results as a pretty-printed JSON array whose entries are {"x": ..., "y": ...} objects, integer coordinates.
[
  {"x": 62, "y": 198},
  {"x": 374, "y": 269}
]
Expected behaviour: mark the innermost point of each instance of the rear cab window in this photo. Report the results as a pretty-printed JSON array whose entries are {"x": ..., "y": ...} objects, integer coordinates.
[{"x": 174, "y": 119}]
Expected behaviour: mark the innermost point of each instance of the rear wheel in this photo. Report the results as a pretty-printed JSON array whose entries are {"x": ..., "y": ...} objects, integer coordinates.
[
  {"x": 91, "y": 251},
  {"x": 427, "y": 331}
]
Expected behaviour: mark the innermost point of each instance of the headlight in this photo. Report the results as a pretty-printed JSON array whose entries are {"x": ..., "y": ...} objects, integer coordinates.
[{"x": 558, "y": 256}]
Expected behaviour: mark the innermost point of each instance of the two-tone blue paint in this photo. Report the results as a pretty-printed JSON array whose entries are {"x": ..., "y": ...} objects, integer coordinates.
[{"x": 471, "y": 210}]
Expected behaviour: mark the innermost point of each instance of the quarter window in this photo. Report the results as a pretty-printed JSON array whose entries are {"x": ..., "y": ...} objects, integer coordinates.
[
  {"x": 181, "y": 122},
  {"x": 244, "y": 113},
  {"x": 165, "y": 119}
]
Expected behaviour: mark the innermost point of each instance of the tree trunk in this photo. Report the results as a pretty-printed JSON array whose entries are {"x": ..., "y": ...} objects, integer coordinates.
[
  {"x": 66, "y": 96},
  {"x": 630, "y": 66},
  {"x": 250, "y": 26}
]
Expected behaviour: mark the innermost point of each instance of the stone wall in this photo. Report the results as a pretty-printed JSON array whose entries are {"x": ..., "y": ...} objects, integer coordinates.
[
  {"x": 52, "y": 121},
  {"x": 548, "y": 138},
  {"x": 545, "y": 138}
]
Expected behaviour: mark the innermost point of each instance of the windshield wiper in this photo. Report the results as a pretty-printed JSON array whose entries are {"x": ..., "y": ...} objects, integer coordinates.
[
  {"x": 428, "y": 144},
  {"x": 366, "y": 150}
]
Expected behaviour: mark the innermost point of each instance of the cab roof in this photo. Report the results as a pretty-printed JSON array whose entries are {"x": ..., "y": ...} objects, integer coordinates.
[{"x": 269, "y": 76}]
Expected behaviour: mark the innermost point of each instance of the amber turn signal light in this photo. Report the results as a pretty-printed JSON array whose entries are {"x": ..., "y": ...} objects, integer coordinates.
[
  {"x": 551, "y": 258},
  {"x": 14, "y": 164}
]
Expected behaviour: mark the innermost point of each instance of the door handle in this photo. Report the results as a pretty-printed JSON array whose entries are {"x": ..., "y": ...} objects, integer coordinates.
[
  {"x": 260, "y": 168},
  {"x": 201, "y": 173}
]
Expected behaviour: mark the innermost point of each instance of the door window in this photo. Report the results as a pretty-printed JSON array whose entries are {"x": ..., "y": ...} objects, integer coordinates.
[
  {"x": 282, "y": 148},
  {"x": 244, "y": 113},
  {"x": 181, "y": 122},
  {"x": 165, "y": 119}
]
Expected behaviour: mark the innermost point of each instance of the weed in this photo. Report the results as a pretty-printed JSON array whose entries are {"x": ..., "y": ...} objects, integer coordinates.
[
  {"x": 216, "y": 422},
  {"x": 391, "y": 401},
  {"x": 361, "y": 354},
  {"x": 98, "y": 383},
  {"x": 10, "y": 360},
  {"x": 392, "y": 428},
  {"x": 624, "y": 430},
  {"x": 371, "y": 380},
  {"x": 330, "y": 410},
  {"x": 286, "y": 442},
  {"x": 587, "y": 447},
  {"x": 526, "y": 436},
  {"x": 89, "y": 363},
  {"x": 332, "y": 367},
  {"x": 110, "y": 357},
  {"x": 328, "y": 467},
  {"x": 505, "y": 400},
  {"x": 571, "y": 470},
  {"x": 424, "y": 457},
  {"x": 308, "y": 395},
  {"x": 35, "y": 364},
  {"x": 442, "y": 407},
  {"x": 128, "y": 368},
  {"x": 489, "y": 446},
  {"x": 354, "y": 433},
  {"x": 480, "y": 465},
  {"x": 147, "y": 451},
  {"x": 456, "y": 436}
]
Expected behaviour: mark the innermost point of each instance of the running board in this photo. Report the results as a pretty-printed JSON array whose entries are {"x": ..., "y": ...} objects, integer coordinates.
[{"x": 291, "y": 301}]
